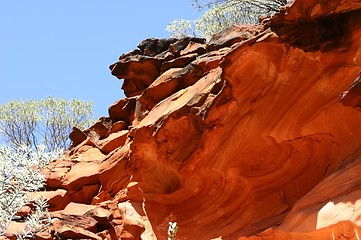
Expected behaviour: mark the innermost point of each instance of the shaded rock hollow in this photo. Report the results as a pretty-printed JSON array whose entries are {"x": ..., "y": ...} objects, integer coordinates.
[{"x": 227, "y": 138}]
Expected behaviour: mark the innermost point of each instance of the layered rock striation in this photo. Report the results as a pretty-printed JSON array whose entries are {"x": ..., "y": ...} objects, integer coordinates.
[{"x": 228, "y": 138}]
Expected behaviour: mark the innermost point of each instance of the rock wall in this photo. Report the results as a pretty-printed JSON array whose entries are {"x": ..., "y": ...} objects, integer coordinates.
[{"x": 227, "y": 138}]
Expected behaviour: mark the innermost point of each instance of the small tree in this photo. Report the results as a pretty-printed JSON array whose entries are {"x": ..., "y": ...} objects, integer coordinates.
[
  {"x": 222, "y": 14},
  {"x": 48, "y": 121},
  {"x": 268, "y": 6}
]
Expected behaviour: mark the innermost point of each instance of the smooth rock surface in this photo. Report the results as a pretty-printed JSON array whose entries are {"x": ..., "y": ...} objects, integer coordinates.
[{"x": 248, "y": 140}]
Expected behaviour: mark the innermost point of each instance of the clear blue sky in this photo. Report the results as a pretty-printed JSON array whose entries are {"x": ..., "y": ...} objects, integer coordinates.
[{"x": 62, "y": 48}]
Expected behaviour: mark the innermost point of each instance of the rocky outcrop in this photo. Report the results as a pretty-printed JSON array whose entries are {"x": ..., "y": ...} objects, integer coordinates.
[{"x": 227, "y": 138}]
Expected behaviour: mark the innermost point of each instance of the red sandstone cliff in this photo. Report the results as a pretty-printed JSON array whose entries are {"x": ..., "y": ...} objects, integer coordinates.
[{"x": 243, "y": 137}]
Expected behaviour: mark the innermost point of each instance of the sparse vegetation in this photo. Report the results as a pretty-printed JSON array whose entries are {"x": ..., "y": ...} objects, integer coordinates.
[
  {"x": 33, "y": 131},
  {"x": 19, "y": 176},
  {"x": 48, "y": 121},
  {"x": 222, "y": 14},
  {"x": 172, "y": 231}
]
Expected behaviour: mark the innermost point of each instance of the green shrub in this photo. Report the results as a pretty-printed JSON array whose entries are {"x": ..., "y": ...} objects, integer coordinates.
[
  {"x": 48, "y": 121},
  {"x": 222, "y": 14}
]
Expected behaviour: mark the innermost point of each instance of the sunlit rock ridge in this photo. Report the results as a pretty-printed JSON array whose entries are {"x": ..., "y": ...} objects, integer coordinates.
[{"x": 253, "y": 135}]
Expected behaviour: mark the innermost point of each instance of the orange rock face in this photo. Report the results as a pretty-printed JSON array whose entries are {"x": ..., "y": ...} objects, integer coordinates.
[{"x": 228, "y": 139}]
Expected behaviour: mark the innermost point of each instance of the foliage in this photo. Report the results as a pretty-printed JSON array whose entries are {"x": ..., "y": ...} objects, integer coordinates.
[
  {"x": 172, "y": 230},
  {"x": 48, "y": 121},
  {"x": 37, "y": 221},
  {"x": 222, "y": 14},
  {"x": 20, "y": 175},
  {"x": 267, "y": 5},
  {"x": 181, "y": 28}
]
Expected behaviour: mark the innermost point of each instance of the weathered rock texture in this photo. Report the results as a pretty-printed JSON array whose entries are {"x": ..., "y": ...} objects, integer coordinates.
[{"x": 228, "y": 139}]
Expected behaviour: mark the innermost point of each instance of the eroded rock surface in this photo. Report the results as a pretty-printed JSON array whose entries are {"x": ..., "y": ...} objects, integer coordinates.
[{"x": 228, "y": 138}]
